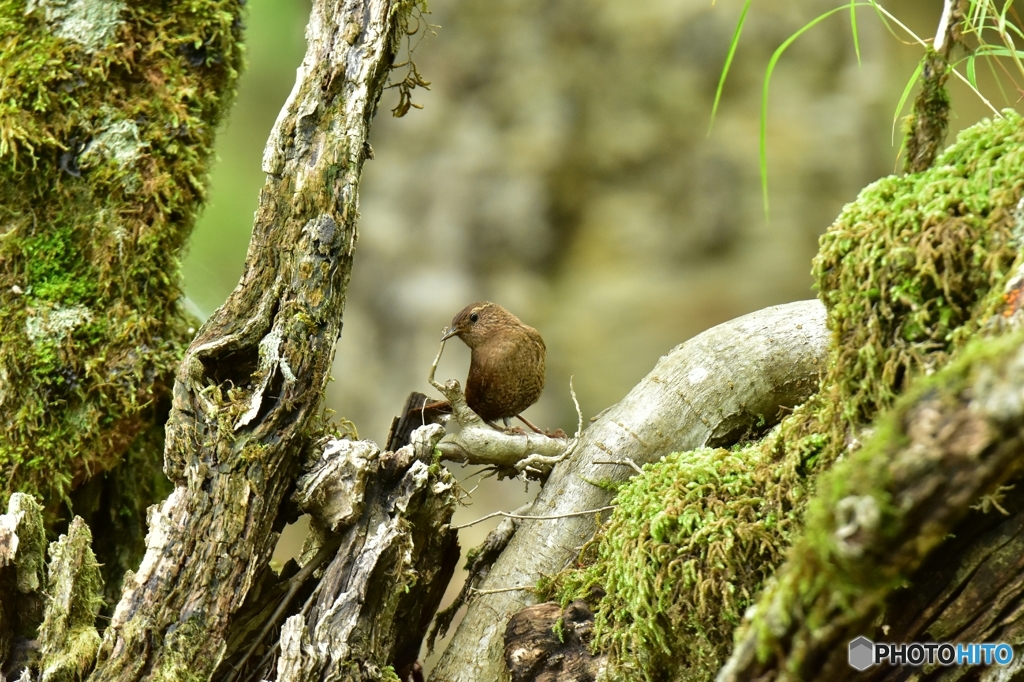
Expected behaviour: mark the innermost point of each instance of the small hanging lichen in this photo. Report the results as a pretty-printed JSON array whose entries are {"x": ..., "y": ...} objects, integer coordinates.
[{"x": 909, "y": 272}]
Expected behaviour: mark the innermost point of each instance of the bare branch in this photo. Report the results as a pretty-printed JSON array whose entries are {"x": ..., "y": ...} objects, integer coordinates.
[{"x": 527, "y": 517}]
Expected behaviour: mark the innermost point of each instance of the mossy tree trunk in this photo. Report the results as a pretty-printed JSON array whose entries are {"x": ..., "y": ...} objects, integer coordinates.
[
  {"x": 106, "y": 134},
  {"x": 106, "y": 129}
]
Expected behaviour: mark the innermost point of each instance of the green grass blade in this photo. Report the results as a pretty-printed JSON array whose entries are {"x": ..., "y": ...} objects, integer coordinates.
[
  {"x": 971, "y": 76},
  {"x": 904, "y": 96},
  {"x": 999, "y": 82},
  {"x": 853, "y": 28},
  {"x": 764, "y": 98},
  {"x": 728, "y": 62},
  {"x": 993, "y": 51}
]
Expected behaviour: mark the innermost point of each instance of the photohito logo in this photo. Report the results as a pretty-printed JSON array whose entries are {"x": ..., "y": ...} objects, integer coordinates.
[{"x": 864, "y": 653}]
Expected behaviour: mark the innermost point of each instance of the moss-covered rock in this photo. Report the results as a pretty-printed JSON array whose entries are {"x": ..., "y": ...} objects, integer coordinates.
[
  {"x": 106, "y": 127},
  {"x": 908, "y": 272}
]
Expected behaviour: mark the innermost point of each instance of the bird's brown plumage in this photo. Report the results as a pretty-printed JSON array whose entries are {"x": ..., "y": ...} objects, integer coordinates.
[{"x": 506, "y": 367}]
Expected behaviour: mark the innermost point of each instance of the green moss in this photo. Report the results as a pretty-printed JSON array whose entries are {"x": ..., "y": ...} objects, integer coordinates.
[
  {"x": 909, "y": 272},
  {"x": 905, "y": 269},
  {"x": 31, "y": 557},
  {"x": 68, "y": 637},
  {"x": 845, "y": 562},
  {"x": 680, "y": 559},
  {"x": 106, "y": 129},
  {"x": 177, "y": 661}
]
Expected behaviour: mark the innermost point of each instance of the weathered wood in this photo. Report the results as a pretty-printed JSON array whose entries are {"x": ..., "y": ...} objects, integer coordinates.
[
  {"x": 968, "y": 590},
  {"x": 710, "y": 390},
  {"x": 377, "y": 597},
  {"x": 546, "y": 643},
  {"x": 253, "y": 378},
  {"x": 22, "y": 576},
  {"x": 68, "y": 639}
]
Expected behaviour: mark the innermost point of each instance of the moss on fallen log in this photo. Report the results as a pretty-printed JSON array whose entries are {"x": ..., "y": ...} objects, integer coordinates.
[{"x": 909, "y": 272}]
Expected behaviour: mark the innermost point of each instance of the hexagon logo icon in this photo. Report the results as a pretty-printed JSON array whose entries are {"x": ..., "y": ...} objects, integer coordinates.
[{"x": 862, "y": 653}]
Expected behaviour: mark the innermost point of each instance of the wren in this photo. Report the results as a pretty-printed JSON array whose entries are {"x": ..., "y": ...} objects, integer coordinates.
[{"x": 506, "y": 366}]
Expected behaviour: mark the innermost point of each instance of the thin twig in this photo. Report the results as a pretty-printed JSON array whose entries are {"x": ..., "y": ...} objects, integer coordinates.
[
  {"x": 526, "y": 517},
  {"x": 579, "y": 413},
  {"x": 497, "y": 590},
  {"x": 627, "y": 462},
  {"x": 294, "y": 585},
  {"x": 433, "y": 368}
]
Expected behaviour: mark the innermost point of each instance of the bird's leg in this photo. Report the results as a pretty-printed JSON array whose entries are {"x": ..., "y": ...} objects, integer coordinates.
[
  {"x": 508, "y": 428},
  {"x": 527, "y": 422}
]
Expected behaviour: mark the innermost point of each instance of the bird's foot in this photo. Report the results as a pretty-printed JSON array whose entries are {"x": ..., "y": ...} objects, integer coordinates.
[{"x": 508, "y": 428}]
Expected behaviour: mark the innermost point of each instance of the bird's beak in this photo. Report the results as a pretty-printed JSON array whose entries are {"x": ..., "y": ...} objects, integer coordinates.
[{"x": 449, "y": 333}]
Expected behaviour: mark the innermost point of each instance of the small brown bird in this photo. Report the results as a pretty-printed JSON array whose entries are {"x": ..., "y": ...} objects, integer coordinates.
[{"x": 506, "y": 367}]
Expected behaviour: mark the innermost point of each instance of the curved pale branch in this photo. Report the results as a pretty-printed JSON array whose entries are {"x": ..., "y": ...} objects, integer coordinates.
[{"x": 710, "y": 390}]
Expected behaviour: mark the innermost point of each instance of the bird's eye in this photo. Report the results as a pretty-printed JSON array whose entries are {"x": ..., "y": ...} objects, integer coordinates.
[{"x": 474, "y": 317}]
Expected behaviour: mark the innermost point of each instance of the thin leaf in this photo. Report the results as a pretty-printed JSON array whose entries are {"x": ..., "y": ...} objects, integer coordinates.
[
  {"x": 977, "y": 92},
  {"x": 904, "y": 96},
  {"x": 993, "y": 51},
  {"x": 853, "y": 28},
  {"x": 728, "y": 62},
  {"x": 764, "y": 98},
  {"x": 971, "y": 76},
  {"x": 999, "y": 81}
]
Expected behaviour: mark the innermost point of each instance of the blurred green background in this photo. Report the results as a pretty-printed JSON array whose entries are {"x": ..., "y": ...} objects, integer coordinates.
[{"x": 562, "y": 167}]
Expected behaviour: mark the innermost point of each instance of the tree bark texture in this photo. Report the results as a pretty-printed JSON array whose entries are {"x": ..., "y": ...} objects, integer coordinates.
[
  {"x": 251, "y": 382},
  {"x": 711, "y": 390}
]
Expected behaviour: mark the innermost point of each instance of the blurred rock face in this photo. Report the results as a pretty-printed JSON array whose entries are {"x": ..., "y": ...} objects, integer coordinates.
[{"x": 562, "y": 167}]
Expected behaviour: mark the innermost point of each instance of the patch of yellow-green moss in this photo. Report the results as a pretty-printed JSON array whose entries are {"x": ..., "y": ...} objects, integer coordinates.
[
  {"x": 909, "y": 272},
  {"x": 30, "y": 558},
  {"x": 107, "y": 119},
  {"x": 687, "y": 543}
]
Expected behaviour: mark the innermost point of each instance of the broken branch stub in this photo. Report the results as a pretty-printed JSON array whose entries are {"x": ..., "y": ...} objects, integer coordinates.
[
  {"x": 711, "y": 390},
  {"x": 377, "y": 596},
  {"x": 22, "y": 575}
]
